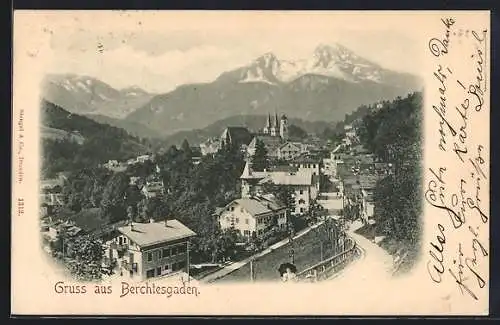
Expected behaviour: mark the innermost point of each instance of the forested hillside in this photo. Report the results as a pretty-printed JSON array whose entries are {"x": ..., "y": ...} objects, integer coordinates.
[
  {"x": 393, "y": 133},
  {"x": 101, "y": 142}
]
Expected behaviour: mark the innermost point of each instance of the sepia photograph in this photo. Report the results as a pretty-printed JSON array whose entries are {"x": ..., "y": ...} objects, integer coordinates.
[{"x": 175, "y": 156}]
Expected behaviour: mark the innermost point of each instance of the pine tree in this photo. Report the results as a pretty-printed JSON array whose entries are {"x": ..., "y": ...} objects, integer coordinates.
[{"x": 260, "y": 159}]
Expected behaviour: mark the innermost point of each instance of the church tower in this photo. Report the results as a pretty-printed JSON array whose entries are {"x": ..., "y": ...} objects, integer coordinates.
[
  {"x": 267, "y": 128},
  {"x": 275, "y": 126},
  {"x": 284, "y": 127}
]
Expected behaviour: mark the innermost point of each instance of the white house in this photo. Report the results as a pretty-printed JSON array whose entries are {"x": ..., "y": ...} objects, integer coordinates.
[
  {"x": 143, "y": 158},
  {"x": 253, "y": 216},
  {"x": 302, "y": 182},
  {"x": 149, "y": 250}
]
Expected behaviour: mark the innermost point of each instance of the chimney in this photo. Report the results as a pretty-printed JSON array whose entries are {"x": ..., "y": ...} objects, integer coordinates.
[
  {"x": 151, "y": 220},
  {"x": 166, "y": 222},
  {"x": 132, "y": 226}
]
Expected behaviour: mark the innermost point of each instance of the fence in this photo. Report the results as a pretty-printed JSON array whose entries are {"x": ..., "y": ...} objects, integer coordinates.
[{"x": 330, "y": 266}]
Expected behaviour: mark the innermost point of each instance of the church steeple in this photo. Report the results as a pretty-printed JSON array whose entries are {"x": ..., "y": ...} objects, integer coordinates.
[{"x": 267, "y": 128}]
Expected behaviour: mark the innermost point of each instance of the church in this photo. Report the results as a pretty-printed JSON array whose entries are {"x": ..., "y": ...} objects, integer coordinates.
[
  {"x": 273, "y": 135},
  {"x": 276, "y": 127}
]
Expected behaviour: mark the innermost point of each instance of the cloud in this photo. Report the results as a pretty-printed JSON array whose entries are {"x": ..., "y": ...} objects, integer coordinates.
[
  {"x": 125, "y": 65},
  {"x": 165, "y": 55}
]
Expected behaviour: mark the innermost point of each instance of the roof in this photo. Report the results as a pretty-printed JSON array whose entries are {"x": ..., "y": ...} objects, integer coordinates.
[
  {"x": 306, "y": 158},
  {"x": 51, "y": 183},
  {"x": 283, "y": 168},
  {"x": 153, "y": 186},
  {"x": 51, "y": 199},
  {"x": 271, "y": 143},
  {"x": 303, "y": 177},
  {"x": 291, "y": 144},
  {"x": 259, "y": 205},
  {"x": 238, "y": 135},
  {"x": 147, "y": 234}
]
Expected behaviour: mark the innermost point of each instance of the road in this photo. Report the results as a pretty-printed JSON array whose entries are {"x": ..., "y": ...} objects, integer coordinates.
[
  {"x": 375, "y": 262},
  {"x": 374, "y": 265},
  {"x": 236, "y": 265}
]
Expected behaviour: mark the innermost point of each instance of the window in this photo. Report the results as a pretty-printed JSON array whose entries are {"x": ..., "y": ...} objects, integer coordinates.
[
  {"x": 237, "y": 220},
  {"x": 181, "y": 249},
  {"x": 150, "y": 273},
  {"x": 301, "y": 210},
  {"x": 159, "y": 252},
  {"x": 120, "y": 240},
  {"x": 150, "y": 257},
  {"x": 158, "y": 271},
  {"x": 124, "y": 240},
  {"x": 165, "y": 252},
  {"x": 232, "y": 208},
  {"x": 247, "y": 221},
  {"x": 301, "y": 191},
  {"x": 301, "y": 201}
]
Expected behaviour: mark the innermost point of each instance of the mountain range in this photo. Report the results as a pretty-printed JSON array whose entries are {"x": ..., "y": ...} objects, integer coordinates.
[
  {"x": 86, "y": 95},
  {"x": 332, "y": 82}
]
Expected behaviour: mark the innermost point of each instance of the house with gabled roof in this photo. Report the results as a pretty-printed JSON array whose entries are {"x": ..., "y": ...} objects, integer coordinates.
[
  {"x": 302, "y": 183},
  {"x": 253, "y": 216},
  {"x": 290, "y": 150},
  {"x": 149, "y": 250},
  {"x": 271, "y": 143}
]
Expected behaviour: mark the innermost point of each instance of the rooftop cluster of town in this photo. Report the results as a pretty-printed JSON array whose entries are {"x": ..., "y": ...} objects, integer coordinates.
[{"x": 305, "y": 168}]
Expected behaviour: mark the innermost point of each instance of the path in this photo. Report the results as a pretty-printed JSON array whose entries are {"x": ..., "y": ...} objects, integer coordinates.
[
  {"x": 236, "y": 265},
  {"x": 374, "y": 265}
]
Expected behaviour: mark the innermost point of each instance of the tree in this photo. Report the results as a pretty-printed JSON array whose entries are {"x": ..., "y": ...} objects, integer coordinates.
[
  {"x": 186, "y": 149},
  {"x": 393, "y": 134},
  {"x": 260, "y": 160},
  {"x": 86, "y": 253},
  {"x": 296, "y": 132}
]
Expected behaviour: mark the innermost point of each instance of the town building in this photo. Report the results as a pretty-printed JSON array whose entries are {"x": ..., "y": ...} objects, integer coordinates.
[
  {"x": 143, "y": 159},
  {"x": 58, "y": 228},
  {"x": 307, "y": 162},
  {"x": 302, "y": 183},
  {"x": 271, "y": 143},
  {"x": 149, "y": 250},
  {"x": 290, "y": 150},
  {"x": 49, "y": 202},
  {"x": 153, "y": 188},
  {"x": 210, "y": 146},
  {"x": 273, "y": 135},
  {"x": 253, "y": 216},
  {"x": 350, "y": 131}
]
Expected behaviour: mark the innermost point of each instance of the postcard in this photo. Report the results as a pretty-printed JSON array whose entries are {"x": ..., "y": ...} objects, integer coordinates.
[{"x": 250, "y": 163}]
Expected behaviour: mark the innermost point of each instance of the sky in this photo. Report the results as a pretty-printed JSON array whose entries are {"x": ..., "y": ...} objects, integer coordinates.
[{"x": 159, "y": 51}]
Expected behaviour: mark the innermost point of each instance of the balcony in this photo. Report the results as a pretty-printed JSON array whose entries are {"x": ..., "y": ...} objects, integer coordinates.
[{"x": 118, "y": 247}]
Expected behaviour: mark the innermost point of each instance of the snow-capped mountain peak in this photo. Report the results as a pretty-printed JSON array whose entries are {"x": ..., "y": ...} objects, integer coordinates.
[{"x": 334, "y": 60}]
